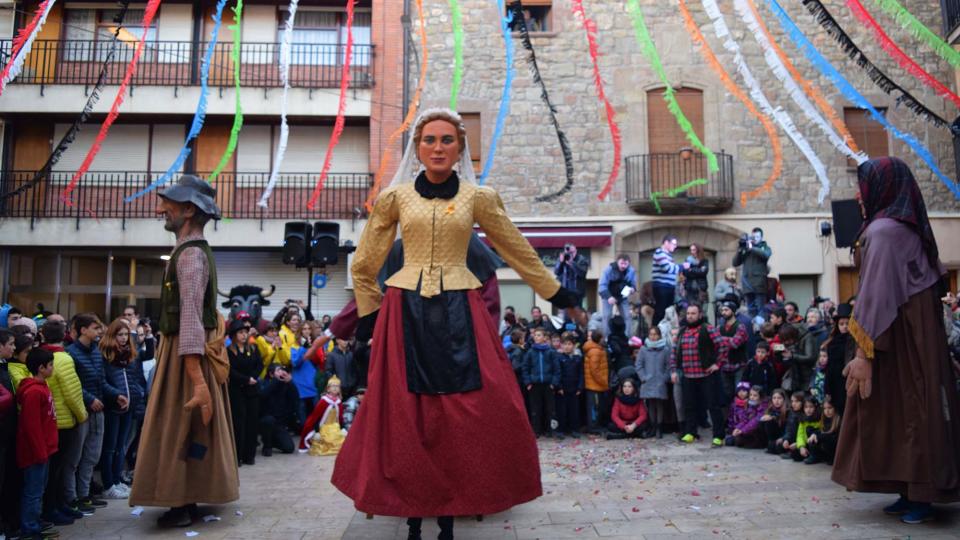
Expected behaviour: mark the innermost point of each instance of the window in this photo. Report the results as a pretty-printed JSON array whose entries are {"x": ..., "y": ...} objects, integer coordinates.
[
  {"x": 667, "y": 166},
  {"x": 319, "y": 37},
  {"x": 869, "y": 135},
  {"x": 538, "y": 15},
  {"x": 471, "y": 121},
  {"x": 89, "y": 33}
]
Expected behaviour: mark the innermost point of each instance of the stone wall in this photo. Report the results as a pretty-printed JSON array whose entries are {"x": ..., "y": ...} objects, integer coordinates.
[{"x": 529, "y": 161}]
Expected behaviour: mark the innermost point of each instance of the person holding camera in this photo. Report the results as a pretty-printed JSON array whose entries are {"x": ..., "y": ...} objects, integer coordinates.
[
  {"x": 571, "y": 270},
  {"x": 753, "y": 254},
  {"x": 616, "y": 283}
]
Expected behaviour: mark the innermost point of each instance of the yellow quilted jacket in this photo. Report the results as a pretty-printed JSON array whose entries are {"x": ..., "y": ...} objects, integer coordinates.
[{"x": 67, "y": 392}]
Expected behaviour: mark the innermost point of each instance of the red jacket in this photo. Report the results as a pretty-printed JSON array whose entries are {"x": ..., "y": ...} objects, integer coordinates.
[
  {"x": 37, "y": 428},
  {"x": 624, "y": 414}
]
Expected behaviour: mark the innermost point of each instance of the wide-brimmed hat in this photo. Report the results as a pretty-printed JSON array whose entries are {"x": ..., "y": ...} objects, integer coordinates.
[{"x": 193, "y": 190}]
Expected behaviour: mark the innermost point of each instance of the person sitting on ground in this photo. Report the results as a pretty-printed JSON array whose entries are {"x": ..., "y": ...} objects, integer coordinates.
[
  {"x": 759, "y": 371},
  {"x": 774, "y": 419},
  {"x": 787, "y": 442},
  {"x": 628, "y": 414},
  {"x": 822, "y": 446},
  {"x": 810, "y": 424},
  {"x": 743, "y": 428},
  {"x": 322, "y": 430}
]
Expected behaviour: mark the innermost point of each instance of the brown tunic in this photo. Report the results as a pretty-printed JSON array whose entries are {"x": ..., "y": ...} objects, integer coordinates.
[
  {"x": 172, "y": 470},
  {"x": 905, "y": 438}
]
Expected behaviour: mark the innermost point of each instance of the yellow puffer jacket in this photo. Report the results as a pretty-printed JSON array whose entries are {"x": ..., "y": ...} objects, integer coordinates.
[
  {"x": 268, "y": 353},
  {"x": 67, "y": 392},
  {"x": 288, "y": 342},
  {"x": 18, "y": 372}
]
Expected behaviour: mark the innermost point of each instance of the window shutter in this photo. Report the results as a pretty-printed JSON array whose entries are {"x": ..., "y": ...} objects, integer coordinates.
[
  {"x": 471, "y": 121},
  {"x": 869, "y": 135}
]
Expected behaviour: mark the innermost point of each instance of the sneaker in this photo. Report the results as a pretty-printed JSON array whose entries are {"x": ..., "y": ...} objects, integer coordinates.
[
  {"x": 730, "y": 440},
  {"x": 688, "y": 438},
  {"x": 126, "y": 489},
  {"x": 919, "y": 513},
  {"x": 115, "y": 492},
  {"x": 45, "y": 525},
  {"x": 811, "y": 460},
  {"x": 786, "y": 455},
  {"x": 902, "y": 506},
  {"x": 58, "y": 519},
  {"x": 71, "y": 512},
  {"x": 94, "y": 502},
  {"x": 82, "y": 506},
  {"x": 716, "y": 442}
]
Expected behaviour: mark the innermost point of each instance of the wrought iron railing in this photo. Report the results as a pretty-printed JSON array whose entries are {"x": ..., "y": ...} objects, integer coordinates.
[
  {"x": 101, "y": 195},
  {"x": 951, "y": 16},
  {"x": 654, "y": 183},
  {"x": 177, "y": 63}
]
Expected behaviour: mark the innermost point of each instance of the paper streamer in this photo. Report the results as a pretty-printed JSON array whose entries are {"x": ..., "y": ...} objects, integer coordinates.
[
  {"x": 285, "y": 55},
  {"x": 896, "y": 53},
  {"x": 199, "y": 116},
  {"x": 756, "y": 92},
  {"x": 878, "y": 77},
  {"x": 921, "y": 32},
  {"x": 411, "y": 113},
  {"x": 237, "y": 106},
  {"x": 341, "y": 110},
  {"x": 779, "y": 69},
  {"x": 22, "y": 44},
  {"x": 590, "y": 27},
  {"x": 457, "y": 17},
  {"x": 850, "y": 93},
  {"x": 149, "y": 13},
  {"x": 732, "y": 87},
  {"x": 516, "y": 6},
  {"x": 505, "y": 93},
  {"x": 71, "y": 134}
]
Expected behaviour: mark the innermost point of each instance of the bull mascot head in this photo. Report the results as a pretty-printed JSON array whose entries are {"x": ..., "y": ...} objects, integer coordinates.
[{"x": 249, "y": 299}]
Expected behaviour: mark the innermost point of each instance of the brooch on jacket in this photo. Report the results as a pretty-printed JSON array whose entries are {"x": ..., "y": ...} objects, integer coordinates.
[{"x": 450, "y": 209}]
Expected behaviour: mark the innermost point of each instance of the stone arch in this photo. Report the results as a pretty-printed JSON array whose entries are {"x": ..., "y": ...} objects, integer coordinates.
[{"x": 716, "y": 237}]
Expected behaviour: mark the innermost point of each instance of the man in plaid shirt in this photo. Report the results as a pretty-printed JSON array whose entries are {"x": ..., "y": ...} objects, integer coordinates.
[{"x": 701, "y": 352}]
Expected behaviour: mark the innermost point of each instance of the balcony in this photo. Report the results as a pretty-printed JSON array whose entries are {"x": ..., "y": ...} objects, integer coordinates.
[
  {"x": 951, "y": 19},
  {"x": 100, "y": 195},
  {"x": 653, "y": 181},
  {"x": 177, "y": 63}
]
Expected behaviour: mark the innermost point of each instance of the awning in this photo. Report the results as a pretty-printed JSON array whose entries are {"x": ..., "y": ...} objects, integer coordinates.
[{"x": 556, "y": 237}]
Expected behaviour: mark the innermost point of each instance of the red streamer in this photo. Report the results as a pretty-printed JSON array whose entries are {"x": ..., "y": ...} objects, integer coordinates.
[
  {"x": 897, "y": 54},
  {"x": 21, "y": 38},
  {"x": 151, "y": 11},
  {"x": 591, "y": 29},
  {"x": 341, "y": 111}
]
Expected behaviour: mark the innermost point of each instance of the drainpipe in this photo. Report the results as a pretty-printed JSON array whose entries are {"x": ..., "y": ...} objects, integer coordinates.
[{"x": 406, "y": 65}]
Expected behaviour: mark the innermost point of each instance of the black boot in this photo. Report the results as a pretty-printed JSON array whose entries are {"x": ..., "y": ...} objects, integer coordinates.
[
  {"x": 446, "y": 528},
  {"x": 414, "y": 525},
  {"x": 614, "y": 436}
]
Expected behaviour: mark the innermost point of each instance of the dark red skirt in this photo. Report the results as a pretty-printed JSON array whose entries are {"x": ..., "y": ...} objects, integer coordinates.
[{"x": 438, "y": 455}]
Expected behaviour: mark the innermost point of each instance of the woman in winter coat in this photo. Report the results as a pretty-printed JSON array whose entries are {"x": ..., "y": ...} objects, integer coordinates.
[
  {"x": 841, "y": 348},
  {"x": 120, "y": 365},
  {"x": 652, "y": 368},
  {"x": 244, "y": 392},
  {"x": 696, "y": 276},
  {"x": 628, "y": 414}
]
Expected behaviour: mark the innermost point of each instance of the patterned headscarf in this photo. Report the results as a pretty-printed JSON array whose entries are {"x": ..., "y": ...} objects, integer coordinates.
[{"x": 888, "y": 190}]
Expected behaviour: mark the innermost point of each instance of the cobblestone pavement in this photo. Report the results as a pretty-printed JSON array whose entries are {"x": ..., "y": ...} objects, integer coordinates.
[{"x": 592, "y": 489}]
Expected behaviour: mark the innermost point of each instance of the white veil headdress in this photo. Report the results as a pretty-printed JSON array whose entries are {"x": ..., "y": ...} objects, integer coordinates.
[{"x": 410, "y": 167}]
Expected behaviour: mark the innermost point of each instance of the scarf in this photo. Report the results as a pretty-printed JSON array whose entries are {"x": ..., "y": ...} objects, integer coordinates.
[
  {"x": 631, "y": 400},
  {"x": 656, "y": 345},
  {"x": 740, "y": 403},
  {"x": 446, "y": 190}
]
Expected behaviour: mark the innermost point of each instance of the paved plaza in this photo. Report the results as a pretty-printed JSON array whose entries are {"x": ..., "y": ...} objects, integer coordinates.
[{"x": 592, "y": 489}]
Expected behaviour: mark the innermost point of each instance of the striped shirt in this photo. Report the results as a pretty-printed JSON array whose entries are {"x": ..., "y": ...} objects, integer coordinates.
[{"x": 664, "y": 269}]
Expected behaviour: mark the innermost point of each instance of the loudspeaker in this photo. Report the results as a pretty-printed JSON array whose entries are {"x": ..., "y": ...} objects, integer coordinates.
[
  {"x": 325, "y": 243},
  {"x": 846, "y": 222},
  {"x": 296, "y": 235}
]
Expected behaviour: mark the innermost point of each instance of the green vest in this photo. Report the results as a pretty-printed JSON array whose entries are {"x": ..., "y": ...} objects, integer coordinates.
[{"x": 170, "y": 294}]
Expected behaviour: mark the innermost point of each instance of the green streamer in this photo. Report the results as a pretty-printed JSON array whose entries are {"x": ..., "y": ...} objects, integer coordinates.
[
  {"x": 919, "y": 30},
  {"x": 650, "y": 51},
  {"x": 238, "y": 109},
  {"x": 457, "y": 51}
]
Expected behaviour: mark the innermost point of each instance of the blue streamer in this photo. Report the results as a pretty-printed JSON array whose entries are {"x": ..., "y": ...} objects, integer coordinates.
[
  {"x": 505, "y": 95},
  {"x": 851, "y": 93},
  {"x": 199, "y": 116}
]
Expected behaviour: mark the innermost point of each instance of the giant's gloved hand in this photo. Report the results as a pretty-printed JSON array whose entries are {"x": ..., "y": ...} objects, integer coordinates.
[
  {"x": 366, "y": 325},
  {"x": 565, "y": 298}
]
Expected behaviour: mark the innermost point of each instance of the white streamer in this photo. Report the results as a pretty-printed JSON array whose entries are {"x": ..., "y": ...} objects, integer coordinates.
[
  {"x": 756, "y": 93},
  {"x": 285, "y": 53},
  {"x": 796, "y": 93},
  {"x": 25, "y": 50}
]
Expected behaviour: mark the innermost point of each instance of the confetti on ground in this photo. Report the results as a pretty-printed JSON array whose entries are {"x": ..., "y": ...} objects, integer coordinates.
[
  {"x": 191, "y": 534},
  {"x": 239, "y": 513},
  {"x": 210, "y": 517},
  {"x": 695, "y": 493}
]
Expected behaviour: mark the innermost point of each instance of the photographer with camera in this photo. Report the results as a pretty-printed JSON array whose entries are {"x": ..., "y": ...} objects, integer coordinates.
[
  {"x": 571, "y": 270},
  {"x": 753, "y": 254}
]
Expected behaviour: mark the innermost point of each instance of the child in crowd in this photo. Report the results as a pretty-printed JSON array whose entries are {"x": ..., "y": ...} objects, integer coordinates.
[
  {"x": 556, "y": 342},
  {"x": 759, "y": 371},
  {"x": 774, "y": 419},
  {"x": 652, "y": 366},
  {"x": 351, "y": 406},
  {"x": 810, "y": 424},
  {"x": 787, "y": 442},
  {"x": 596, "y": 379},
  {"x": 541, "y": 377},
  {"x": 36, "y": 438},
  {"x": 628, "y": 414},
  {"x": 819, "y": 379},
  {"x": 326, "y": 419},
  {"x": 745, "y": 413},
  {"x": 515, "y": 352},
  {"x": 571, "y": 386},
  {"x": 822, "y": 446}
]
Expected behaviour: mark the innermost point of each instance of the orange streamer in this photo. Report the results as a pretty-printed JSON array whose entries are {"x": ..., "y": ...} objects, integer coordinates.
[
  {"x": 411, "y": 114},
  {"x": 732, "y": 87},
  {"x": 811, "y": 90}
]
